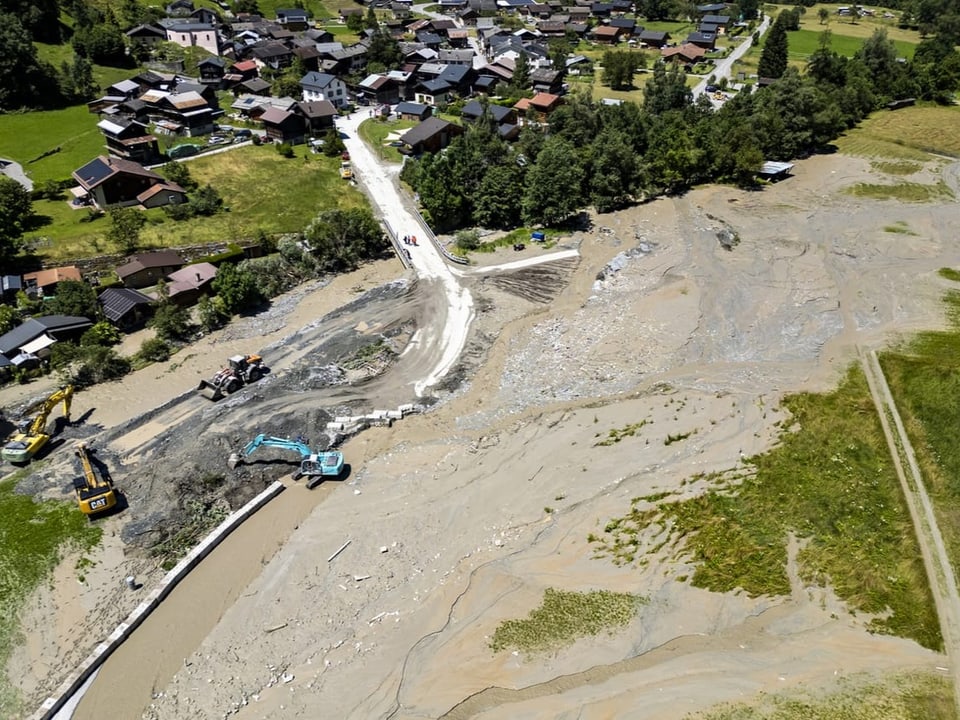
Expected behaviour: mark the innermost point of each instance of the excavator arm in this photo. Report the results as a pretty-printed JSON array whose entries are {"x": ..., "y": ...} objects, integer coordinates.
[
  {"x": 328, "y": 463},
  {"x": 283, "y": 443}
]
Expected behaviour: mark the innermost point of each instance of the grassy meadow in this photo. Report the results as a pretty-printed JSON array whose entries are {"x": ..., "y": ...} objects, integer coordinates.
[
  {"x": 35, "y": 537},
  {"x": 910, "y": 134},
  {"x": 830, "y": 482},
  {"x": 924, "y": 377},
  {"x": 375, "y": 132},
  {"x": 262, "y": 190}
]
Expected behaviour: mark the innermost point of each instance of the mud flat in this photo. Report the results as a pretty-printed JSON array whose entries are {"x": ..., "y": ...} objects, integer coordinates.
[{"x": 462, "y": 517}]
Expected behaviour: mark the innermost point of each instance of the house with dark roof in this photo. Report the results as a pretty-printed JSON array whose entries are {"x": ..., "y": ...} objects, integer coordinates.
[
  {"x": 707, "y": 41},
  {"x": 323, "y": 86},
  {"x": 40, "y": 333},
  {"x": 379, "y": 89},
  {"x": 10, "y": 285},
  {"x": 459, "y": 78},
  {"x": 284, "y": 126},
  {"x": 432, "y": 92},
  {"x": 501, "y": 115},
  {"x": 124, "y": 307},
  {"x": 146, "y": 34},
  {"x": 212, "y": 70},
  {"x": 271, "y": 54},
  {"x": 253, "y": 86},
  {"x": 413, "y": 111},
  {"x": 721, "y": 22},
  {"x": 319, "y": 115},
  {"x": 109, "y": 181},
  {"x": 544, "y": 80},
  {"x": 605, "y": 34},
  {"x": 431, "y": 135},
  {"x": 295, "y": 19},
  {"x": 145, "y": 269},
  {"x": 185, "y": 286},
  {"x": 653, "y": 38},
  {"x": 129, "y": 140}
]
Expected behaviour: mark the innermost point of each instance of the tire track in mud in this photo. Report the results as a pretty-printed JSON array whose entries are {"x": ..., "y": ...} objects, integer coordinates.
[{"x": 940, "y": 574}]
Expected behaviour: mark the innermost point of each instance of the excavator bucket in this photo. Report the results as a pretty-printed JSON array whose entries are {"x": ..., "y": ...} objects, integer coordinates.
[{"x": 209, "y": 390}]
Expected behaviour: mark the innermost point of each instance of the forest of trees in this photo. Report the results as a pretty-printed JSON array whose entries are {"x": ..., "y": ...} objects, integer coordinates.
[{"x": 610, "y": 156}]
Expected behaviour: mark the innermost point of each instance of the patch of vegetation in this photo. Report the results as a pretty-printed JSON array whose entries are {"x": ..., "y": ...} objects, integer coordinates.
[
  {"x": 289, "y": 195},
  {"x": 893, "y": 167},
  {"x": 374, "y": 133},
  {"x": 522, "y": 235},
  {"x": 903, "y": 191},
  {"x": 371, "y": 354},
  {"x": 615, "y": 435},
  {"x": 900, "y": 228},
  {"x": 914, "y": 696},
  {"x": 199, "y": 518},
  {"x": 831, "y": 482},
  {"x": 908, "y": 134},
  {"x": 565, "y": 616},
  {"x": 35, "y": 536},
  {"x": 924, "y": 377},
  {"x": 949, "y": 274},
  {"x": 671, "y": 439}
]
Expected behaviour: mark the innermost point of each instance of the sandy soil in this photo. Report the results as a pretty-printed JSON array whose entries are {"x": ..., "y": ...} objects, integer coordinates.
[{"x": 446, "y": 510}]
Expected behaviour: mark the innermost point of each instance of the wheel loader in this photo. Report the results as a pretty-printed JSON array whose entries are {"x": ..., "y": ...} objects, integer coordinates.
[{"x": 241, "y": 370}]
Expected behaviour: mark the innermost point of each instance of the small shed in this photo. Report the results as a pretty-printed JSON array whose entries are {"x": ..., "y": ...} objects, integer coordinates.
[
  {"x": 124, "y": 307},
  {"x": 772, "y": 170}
]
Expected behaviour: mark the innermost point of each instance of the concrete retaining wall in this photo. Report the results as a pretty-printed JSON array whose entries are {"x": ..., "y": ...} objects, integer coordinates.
[
  {"x": 92, "y": 663},
  {"x": 395, "y": 241},
  {"x": 349, "y": 424},
  {"x": 433, "y": 238}
]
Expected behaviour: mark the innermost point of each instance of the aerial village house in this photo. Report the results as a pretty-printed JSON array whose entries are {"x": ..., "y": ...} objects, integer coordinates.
[
  {"x": 431, "y": 135},
  {"x": 124, "y": 307},
  {"x": 185, "y": 286},
  {"x": 32, "y": 339},
  {"x": 109, "y": 181},
  {"x": 322, "y": 86},
  {"x": 320, "y": 115},
  {"x": 686, "y": 54},
  {"x": 283, "y": 126},
  {"x": 145, "y": 269},
  {"x": 44, "y": 282},
  {"x": 129, "y": 140},
  {"x": 538, "y": 108},
  {"x": 195, "y": 35}
]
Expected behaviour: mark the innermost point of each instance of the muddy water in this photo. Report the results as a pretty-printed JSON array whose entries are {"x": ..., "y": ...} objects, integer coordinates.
[{"x": 155, "y": 651}]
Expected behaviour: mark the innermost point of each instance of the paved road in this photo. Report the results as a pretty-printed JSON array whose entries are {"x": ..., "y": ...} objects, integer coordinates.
[{"x": 724, "y": 67}]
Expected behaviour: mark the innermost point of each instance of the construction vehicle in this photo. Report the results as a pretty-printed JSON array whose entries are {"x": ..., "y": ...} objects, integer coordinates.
[
  {"x": 346, "y": 170},
  {"x": 312, "y": 464},
  {"x": 94, "y": 494},
  {"x": 32, "y": 435},
  {"x": 241, "y": 370}
]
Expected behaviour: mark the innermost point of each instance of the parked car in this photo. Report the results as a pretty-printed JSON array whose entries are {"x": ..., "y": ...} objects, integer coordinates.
[
  {"x": 182, "y": 151},
  {"x": 243, "y": 133},
  {"x": 216, "y": 140}
]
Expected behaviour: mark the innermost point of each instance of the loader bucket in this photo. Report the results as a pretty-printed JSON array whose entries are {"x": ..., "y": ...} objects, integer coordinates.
[{"x": 209, "y": 390}]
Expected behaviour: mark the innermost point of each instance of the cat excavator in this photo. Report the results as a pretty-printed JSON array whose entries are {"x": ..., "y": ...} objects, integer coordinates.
[
  {"x": 32, "y": 435},
  {"x": 94, "y": 494},
  {"x": 312, "y": 464}
]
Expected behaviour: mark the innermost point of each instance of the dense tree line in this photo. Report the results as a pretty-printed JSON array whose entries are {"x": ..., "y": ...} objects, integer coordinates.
[{"x": 609, "y": 156}]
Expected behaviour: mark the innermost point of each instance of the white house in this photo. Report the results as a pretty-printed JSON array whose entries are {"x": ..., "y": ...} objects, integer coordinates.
[
  {"x": 322, "y": 86},
  {"x": 195, "y": 34}
]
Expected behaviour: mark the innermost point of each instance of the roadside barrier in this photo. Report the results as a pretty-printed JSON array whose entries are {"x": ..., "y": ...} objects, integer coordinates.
[{"x": 51, "y": 706}]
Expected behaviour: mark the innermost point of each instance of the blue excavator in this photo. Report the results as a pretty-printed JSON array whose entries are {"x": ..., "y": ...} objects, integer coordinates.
[{"x": 316, "y": 465}]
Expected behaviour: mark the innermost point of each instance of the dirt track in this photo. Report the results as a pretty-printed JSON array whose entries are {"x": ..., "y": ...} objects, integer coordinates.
[
  {"x": 943, "y": 581},
  {"x": 678, "y": 331}
]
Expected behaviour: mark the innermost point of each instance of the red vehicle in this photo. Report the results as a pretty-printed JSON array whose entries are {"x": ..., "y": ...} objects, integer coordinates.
[{"x": 345, "y": 156}]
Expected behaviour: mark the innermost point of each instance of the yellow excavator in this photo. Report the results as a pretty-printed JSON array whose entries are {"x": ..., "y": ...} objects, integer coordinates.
[
  {"x": 32, "y": 436},
  {"x": 94, "y": 494}
]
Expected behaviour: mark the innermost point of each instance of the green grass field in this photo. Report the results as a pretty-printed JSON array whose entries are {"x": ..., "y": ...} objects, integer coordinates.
[
  {"x": 803, "y": 43},
  {"x": 263, "y": 190},
  {"x": 909, "y": 134},
  {"x": 375, "y": 132},
  {"x": 24, "y": 137},
  {"x": 924, "y": 376},
  {"x": 831, "y": 482},
  {"x": 35, "y": 536},
  {"x": 906, "y": 696}
]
